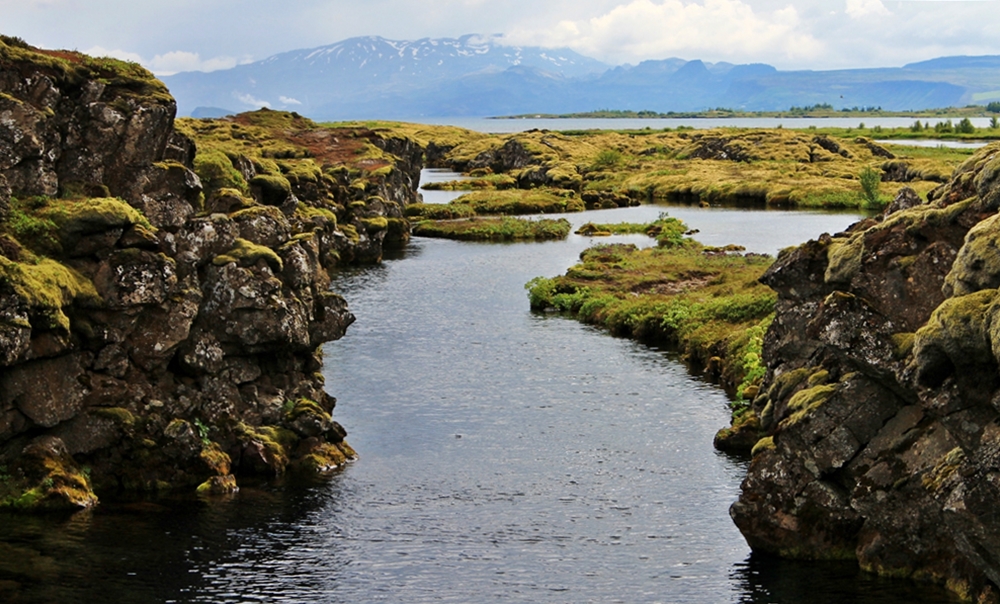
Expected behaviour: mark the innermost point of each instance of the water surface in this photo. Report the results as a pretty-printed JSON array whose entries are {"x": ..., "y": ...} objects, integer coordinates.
[{"x": 506, "y": 456}]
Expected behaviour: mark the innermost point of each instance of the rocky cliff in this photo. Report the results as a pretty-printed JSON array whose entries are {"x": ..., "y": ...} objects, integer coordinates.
[
  {"x": 881, "y": 407},
  {"x": 164, "y": 288}
]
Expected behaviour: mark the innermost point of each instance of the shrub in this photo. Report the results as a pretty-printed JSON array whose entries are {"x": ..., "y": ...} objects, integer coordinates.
[{"x": 870, "y": 180}]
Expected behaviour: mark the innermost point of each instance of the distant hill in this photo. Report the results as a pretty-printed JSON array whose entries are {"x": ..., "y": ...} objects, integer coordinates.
[{"x": 372, "y": 77}]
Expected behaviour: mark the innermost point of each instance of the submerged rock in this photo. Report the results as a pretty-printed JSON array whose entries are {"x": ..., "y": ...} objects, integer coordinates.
[{"x": 879, "y": 416}]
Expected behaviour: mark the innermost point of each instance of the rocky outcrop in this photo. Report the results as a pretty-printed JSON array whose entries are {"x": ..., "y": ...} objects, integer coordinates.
[
  {"x": 879, "y": 414},
  {"x": 164, "y": 296}
]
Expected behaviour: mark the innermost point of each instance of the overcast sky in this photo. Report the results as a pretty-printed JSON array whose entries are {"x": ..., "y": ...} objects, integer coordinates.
[{"x": 183, "y": 35}]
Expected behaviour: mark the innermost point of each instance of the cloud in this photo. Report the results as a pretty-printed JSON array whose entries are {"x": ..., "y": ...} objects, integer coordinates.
[
  {"x": 121, "y": 55},
  {"x": 858, "y": 9},
  {"x": 285, "y": 100},
  {"x": 713, "y": 29},
  {"x": 179, "y": 60},
  {"x": 248, "y": 99},
  {"x": 172, "y": 62}
]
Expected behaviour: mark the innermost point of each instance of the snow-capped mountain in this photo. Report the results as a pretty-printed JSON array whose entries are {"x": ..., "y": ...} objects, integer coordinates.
[
  {"x": 359, "y": 71},
  {"x": 481, "y": 75}
]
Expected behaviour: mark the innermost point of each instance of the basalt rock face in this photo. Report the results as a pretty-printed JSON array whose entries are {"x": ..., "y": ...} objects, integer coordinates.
[
  {"x": 156, "y": 332},
  {"x": 881, "y": 409}
]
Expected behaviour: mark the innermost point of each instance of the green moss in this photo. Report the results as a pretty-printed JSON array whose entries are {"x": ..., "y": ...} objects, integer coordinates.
[
  {"x": 47, "y": 288},
  {"x": 309, "y": 212},
  {"x": 902, "y": 345},
  {"x": 119, "y": 415},
  {"x": 805, "y": 402},
  {"x": 247, "y": 253},
  {"x": 277, "y": 442},
  {"x": 377, "y": 223},
  {"x": 274, "y": 189},
  {"x": 216, "y": 172},
  {"x": 844, "y": 258},
  {"x": 324, "y": 459},
  {"x": 978, "y": 263},
  {"x": 764, "y": 444},
  {"x": 215, "y": 459},
  {"x": 123, "y": 80},
  {"x": 958, "y": 328},
  {"x": 351, "y": 232},
  {"x": 304, "y": 406}
]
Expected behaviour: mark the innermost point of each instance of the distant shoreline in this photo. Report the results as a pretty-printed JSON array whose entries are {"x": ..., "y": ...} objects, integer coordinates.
[{"x": 946, "y": 112}]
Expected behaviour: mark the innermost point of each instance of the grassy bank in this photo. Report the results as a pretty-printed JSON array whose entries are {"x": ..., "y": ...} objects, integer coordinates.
[
  {"x": 500, "y": 203},
  {"x": 704, "y": 301},
  {"x": 493, "y": 229}
]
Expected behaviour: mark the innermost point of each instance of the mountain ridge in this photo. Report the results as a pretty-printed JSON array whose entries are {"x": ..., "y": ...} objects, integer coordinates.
[{"x": 480, "y": 75}]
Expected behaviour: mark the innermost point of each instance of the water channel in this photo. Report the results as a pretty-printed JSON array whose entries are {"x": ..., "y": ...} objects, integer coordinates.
[{"x": 506, "y": 456}]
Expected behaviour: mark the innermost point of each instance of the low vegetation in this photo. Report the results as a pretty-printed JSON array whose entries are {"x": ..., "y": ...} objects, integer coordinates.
[
  {"x": 726, "y": 166},
  {"x": 704, "y": 301},
  {"x": 493, "y": 229},
  {"x": 500, "y": 203}
]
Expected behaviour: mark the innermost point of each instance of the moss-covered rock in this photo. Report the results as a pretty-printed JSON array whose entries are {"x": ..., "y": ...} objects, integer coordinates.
[
  {"x": 216, "y": 172},
  {"x": 978, "y": 264},
  {"x": 271, "y": 189},
  {"x": 247, "y": 253},
  {"x": 47, "y": 478},
  {"x": 957, "y": 336}
]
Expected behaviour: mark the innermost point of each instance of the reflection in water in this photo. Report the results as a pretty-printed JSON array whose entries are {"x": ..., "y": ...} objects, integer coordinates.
[
  {"x": 505, "y": 456},
  {"x": 768, "y": 580}
]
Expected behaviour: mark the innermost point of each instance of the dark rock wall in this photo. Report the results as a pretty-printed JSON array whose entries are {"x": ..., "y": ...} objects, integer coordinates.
[
  {"x": 881, "y": 409},
  {"x": 172, "y": 348}
]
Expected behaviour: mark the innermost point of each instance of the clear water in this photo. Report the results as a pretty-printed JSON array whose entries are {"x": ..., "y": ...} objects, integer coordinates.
[{"x": 505, "y": 456}]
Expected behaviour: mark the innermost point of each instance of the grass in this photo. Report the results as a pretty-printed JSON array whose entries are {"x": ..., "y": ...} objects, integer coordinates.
[
  {"x": 500, "y": 203},
  {"x": 667, "y": 230},
  {"x": 490, "y": 181},
  {"x": 706, "y": 303},
  {"x": 722, "y": 166},
  {"x": 494, "y": 229}
]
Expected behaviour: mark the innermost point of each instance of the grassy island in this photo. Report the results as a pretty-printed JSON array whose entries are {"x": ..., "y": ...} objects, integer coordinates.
[
  {"x": 704, "y": 301},
  {"x": 494, "y": 228}
]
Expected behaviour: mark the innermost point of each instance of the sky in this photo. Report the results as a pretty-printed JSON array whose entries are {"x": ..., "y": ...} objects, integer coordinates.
[{"x": 188, "y": 35}]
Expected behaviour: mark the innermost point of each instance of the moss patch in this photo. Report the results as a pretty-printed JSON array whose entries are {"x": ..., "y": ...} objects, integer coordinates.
[
  {"x": 247, "y": 253},
  {"x": 47, "y": 287}
]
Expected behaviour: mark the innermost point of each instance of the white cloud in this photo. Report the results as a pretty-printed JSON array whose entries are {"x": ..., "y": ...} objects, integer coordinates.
[
  {"x": 121, "y": 55},
  {"x": 858, "y": 9},
  {"x": 249, "y": 100},
  {"x": 172, "y": 62},
  {"x": 179, "y": 60},
  {"x": 285, "y": 100},
  {"x": 712, "y": 29}
]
